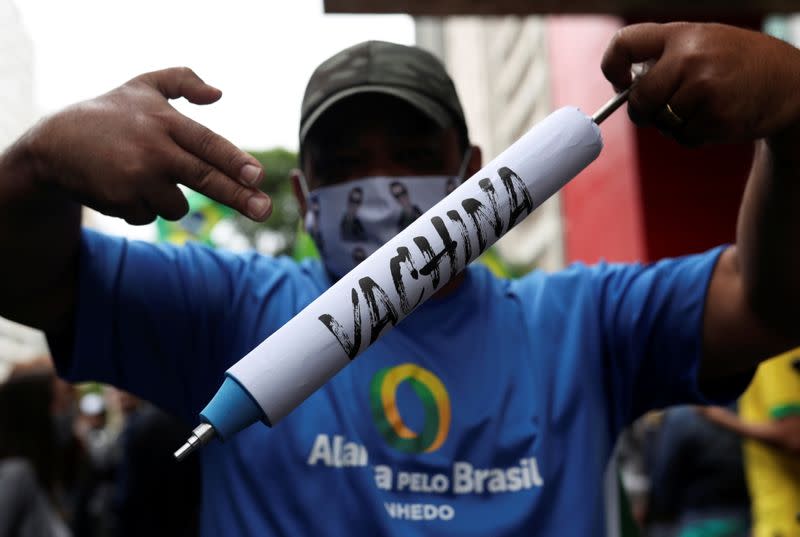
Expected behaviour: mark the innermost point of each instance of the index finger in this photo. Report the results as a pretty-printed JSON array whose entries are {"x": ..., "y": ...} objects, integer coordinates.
[
  {"x": 212, "y": 148},
  {"x": 201, "y": 177},
  {"x": 632, "y": 44}
]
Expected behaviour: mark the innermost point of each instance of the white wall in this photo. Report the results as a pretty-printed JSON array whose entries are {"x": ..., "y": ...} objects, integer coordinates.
[{"x": 16, "y": 75}]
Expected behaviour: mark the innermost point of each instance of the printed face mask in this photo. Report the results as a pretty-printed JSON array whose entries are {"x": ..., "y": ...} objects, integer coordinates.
[{"x": 350, "y": 221}]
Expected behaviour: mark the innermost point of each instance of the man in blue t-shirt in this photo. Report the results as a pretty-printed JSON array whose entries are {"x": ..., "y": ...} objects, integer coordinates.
[{"x": 492, "y": 409}]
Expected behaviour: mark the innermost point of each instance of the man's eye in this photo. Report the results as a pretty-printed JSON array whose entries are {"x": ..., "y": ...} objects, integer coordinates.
[{"x": 336, "y": 167}]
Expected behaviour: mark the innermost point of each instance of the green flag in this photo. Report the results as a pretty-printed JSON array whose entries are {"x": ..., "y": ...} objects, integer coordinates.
[{"x": 204, "y": 213}]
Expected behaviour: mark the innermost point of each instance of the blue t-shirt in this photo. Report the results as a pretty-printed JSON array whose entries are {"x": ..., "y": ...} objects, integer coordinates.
[{"x": 491, "y": 411}]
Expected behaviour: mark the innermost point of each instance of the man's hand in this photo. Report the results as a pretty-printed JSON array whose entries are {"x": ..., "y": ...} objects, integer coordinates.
[
  {"x": 124, "y": 153},
  {"x": 783, "y": 433},
  {"x": 715, "y": 83},
  {"x": 722, "y": 83}
]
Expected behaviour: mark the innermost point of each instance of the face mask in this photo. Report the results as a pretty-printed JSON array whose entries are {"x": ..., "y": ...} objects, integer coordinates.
[{"x": 349, "y": 221}]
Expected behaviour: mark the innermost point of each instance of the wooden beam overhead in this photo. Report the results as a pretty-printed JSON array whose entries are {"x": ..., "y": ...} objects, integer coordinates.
[{"x": 636, "y": 8}]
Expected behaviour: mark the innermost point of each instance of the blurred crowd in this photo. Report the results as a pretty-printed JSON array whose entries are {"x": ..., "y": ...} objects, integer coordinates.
[
  {"x": 90, "y": 461},
  {"x": 96, "y": 461},
  {"x": 720, "y": 472}
]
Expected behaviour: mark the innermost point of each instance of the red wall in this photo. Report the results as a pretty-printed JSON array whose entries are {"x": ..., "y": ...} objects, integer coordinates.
[
  {"x": 690, "y": 197},
  {"x": 601, "y": 207},
  {"x": 645, "y": 197}
]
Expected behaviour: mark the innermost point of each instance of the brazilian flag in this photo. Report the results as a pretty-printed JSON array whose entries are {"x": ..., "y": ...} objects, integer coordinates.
[
  {"x": 204, "y": 213},
  {"x": 304, "y": 247},
  {"x": 497, "y": 265}
]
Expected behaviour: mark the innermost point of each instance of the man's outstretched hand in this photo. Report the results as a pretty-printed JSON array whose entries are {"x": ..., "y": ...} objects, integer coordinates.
[
  {"x": 721, "y": 83},
  {"x": 125, "y": 152}
]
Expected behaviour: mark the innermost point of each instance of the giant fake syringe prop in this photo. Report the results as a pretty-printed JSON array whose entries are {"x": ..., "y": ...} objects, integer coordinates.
[{"x": 301, "y": 356}]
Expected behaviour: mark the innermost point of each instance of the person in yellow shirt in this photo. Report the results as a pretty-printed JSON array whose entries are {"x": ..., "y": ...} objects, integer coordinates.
[{"x": 769, "y": 420}]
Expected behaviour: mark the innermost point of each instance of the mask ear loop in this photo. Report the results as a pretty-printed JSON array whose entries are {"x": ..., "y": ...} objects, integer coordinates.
[
  {"x": 462, "y": 169},
  {"x": 301, "y": 179}
]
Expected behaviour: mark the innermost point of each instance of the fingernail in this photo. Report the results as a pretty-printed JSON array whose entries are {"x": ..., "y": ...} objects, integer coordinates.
[
  {"x": 257, "y": 206},
  {"x": 250, "y": 174}
]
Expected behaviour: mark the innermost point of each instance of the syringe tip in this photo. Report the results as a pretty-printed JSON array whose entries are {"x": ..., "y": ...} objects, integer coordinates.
[
  {"x": 199, "y": 437},
  {"x": 184, "y": 450}
]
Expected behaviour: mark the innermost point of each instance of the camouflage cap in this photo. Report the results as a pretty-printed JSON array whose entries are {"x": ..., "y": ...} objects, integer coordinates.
[{"x": 409, "y": 73}]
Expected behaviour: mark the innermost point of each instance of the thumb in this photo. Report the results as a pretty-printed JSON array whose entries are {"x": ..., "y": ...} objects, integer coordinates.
[
  {"x": 177, "y": 82},
  {"x": 632, "y": 44}
]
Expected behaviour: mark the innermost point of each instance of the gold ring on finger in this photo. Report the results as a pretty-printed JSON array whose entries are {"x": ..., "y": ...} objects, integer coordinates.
[{"x": 671, "y": 119}]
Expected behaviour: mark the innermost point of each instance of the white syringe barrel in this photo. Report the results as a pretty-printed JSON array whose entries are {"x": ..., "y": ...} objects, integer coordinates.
[{"x": 313, "y": 346}]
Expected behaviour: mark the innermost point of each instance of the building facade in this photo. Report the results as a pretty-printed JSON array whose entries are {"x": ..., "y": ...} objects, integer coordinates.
[{"x": 500, "y": 68}]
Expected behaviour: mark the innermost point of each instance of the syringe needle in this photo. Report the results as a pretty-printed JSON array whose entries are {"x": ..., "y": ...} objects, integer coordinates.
[{"x": 199, "y": 437}]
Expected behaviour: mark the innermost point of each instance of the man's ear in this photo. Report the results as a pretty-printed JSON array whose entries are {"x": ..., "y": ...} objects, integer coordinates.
[
  {"x": 475, "y": 162},
  {"x": 299, "y": 190}
]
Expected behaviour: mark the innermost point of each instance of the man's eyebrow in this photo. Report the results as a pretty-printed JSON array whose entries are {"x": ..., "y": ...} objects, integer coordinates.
[
  {"x": 334, "y": 148},
  {"x": 416, "y": 137}
]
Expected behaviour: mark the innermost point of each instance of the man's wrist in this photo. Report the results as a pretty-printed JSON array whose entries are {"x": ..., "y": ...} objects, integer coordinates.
[
  {"x": 30, "y": 149},
  {"x": 27, "y": 174},
  {"x": 785, "y": 141},
  {"x": 785, "y": 145},
  {"x": 18, "y": 165},
  {"x": 23, "y": 160}
]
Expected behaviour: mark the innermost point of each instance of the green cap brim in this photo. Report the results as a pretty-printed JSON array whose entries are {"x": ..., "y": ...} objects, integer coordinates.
[{"x": 424, "y": 104}]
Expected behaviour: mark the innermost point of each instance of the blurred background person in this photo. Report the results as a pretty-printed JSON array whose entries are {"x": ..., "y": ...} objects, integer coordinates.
[
  {"x": 88, "y": 461},
  {"x": 101, "y": 443},
  {"x": 697, "y": 484},
  {"x": 769, "y": 421},
  {"x": 632, "y": 466},
  {"x": 29, "y": 465},
  {"x": 25, "y": 510},
  {"x": 154, "y": 496}
]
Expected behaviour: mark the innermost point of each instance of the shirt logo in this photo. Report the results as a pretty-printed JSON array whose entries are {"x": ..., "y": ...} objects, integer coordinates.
[{"x": 433, "y": 396}]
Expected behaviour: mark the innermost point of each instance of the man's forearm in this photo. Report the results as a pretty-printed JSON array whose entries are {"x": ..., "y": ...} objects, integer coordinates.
[
  {"x": 755, "y": 289},
  {"x": 39, "y": 234},
  {"x": 768, "y": 238},
  {"x": 783, "y": 433}
]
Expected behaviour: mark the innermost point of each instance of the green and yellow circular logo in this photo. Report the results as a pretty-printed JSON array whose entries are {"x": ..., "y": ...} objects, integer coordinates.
[{"x": 435, "y": 402}]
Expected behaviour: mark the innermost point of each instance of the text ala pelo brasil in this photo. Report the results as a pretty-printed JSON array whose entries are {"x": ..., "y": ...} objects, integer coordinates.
[{"x": 463, "y": 477}]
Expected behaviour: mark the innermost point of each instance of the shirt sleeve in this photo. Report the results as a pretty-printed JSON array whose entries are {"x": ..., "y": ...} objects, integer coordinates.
[
  {"x": 651, "y": 324},
  {"x": 165, "y": 322},
  {"x": 779, "y": 383}
]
